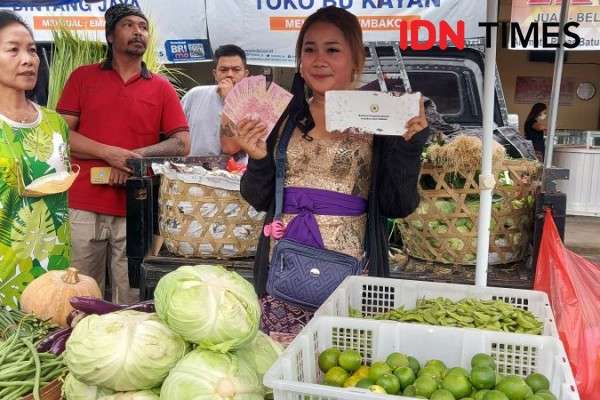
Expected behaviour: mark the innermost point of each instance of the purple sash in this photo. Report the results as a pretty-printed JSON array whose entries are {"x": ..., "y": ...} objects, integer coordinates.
[{"x": 307, "y": 203}]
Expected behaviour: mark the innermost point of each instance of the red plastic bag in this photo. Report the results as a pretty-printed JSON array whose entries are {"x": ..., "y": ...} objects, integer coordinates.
[{"x": 573, "y": 285}]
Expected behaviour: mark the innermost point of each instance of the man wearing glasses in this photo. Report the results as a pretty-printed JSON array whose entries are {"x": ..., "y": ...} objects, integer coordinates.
[{"x": 203, "y": 104}]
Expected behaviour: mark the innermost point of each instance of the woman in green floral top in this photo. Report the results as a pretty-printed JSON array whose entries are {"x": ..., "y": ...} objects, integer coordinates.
[{"x": 34, "y": 225}]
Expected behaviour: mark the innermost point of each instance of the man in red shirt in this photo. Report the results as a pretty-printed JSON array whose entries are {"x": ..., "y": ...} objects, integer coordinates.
[{"x": 116, "y": 111}]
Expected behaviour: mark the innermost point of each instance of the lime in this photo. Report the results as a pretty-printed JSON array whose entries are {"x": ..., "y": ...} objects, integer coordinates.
[
  {"x": 437, "y": 365},
  {"x": 442, "y": 394},
  {"x": 457, "y": 384},
  {"x": 329, "y": 359},
  {"x": 537, "y": 382},
  {"x": 350, "y": 360},
  {"x": 409, "y": 391},
  {"x": 483, "y": 378},
  {"x": 397, "y": 360},
  {"x": 362, "y": 372},
  {"x": 498, "y": 378},
  {"x": 405, "y": 375},
  {"x": 534, "y": 397},
  {"x": 377, "y": 389},
  {"x": 546, "y": 394},
  {"x": 390, "y": 383},
  {"x": 352, "y": 381},
  {"x": 514, "y": 387},
  {"x": 495, "y": 395},
  {"x": 458, "y": 370},
  {"x": 336, "y": 376},
  {"x": 413, "y": 363},
  {"x": 483, "y": 360},
  {"x": 364, "y": 383},
  {"x": 480, "y": 394},
  {"x": 378, "y": 369},
  {"x": 425, "y": 385},
  {"x": 432, "y": 372}
]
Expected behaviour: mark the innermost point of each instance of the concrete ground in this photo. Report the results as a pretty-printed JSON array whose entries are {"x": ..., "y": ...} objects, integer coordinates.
[{"x": 582, "y": 235}]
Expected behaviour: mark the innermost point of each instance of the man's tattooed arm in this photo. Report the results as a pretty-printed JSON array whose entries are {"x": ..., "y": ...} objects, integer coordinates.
[{"x": 177, "y": 144}]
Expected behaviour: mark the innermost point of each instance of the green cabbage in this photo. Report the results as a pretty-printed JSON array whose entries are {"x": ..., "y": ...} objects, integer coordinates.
[
  {"x": 438, "y": 226},
  {"x": 261, "y": 354},
  {"x": 446, "y": 206},
  {"x": 205, "y": 374},
  {"x": 123, "y": 351},
  {"x": 76, "y": 390},
  {"x": 143, "y": 395},
  {"x": 210, "y": 306},
  {"x": 472, "y": 204},
  {"x": 464, "y": 225},
  {"x": 456, "y": 244}
]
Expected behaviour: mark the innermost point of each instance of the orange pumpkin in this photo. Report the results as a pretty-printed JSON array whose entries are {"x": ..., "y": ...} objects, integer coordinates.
[{"x": 48, "y": 295}]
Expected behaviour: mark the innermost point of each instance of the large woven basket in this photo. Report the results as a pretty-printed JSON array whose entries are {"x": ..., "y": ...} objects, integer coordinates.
[
  {"x": 444, "y": 226},
  {"x": 52, "y": 391},
  {"x": 200, "y": 221}
]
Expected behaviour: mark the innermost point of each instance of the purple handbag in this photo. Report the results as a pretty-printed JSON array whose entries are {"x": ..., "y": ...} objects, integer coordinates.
[
  {"x": 301, "y": 273},
  {"x": 306, "y": 275}
]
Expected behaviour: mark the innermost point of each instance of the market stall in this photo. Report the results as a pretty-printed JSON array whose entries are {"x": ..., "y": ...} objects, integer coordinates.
[{"x": 196, "y": 334}]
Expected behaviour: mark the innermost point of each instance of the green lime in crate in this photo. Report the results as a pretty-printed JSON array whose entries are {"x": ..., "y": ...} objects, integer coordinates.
[{"x": 409, "y": 360}]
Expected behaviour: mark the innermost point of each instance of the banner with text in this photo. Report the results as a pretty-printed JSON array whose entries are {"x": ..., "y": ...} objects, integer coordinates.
[
  {"x": 585, "y": 12},
  {"x": 180, "y": 25},
  {"x": 267, "y": 29}
]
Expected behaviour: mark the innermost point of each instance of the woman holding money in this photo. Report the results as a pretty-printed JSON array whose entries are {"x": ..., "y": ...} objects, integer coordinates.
[{"x": 327, "y": 194}]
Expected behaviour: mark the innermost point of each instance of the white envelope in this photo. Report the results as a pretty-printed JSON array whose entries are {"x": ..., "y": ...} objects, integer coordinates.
[{"x": 371, "y": 112}]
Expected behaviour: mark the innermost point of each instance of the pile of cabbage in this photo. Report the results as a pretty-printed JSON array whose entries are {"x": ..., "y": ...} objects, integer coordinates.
[{"x": 202, "y": 342}]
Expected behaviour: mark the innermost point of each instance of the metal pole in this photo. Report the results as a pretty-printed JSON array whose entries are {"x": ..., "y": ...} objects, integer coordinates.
[
  {"x": 486, "y": 179},
  {"x": 556, "y": 82}
]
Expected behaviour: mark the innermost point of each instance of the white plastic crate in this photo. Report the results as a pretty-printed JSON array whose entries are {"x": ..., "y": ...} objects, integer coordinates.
[
  {"x": 374, "y": 296},
  {"x": 296, "y": 375}
]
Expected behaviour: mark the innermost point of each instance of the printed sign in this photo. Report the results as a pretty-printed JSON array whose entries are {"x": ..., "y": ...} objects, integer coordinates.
[
  {"x": 584, "y": 13},
  {"x": 180, "y": 25},
  {"x": 267, "y": 29}
]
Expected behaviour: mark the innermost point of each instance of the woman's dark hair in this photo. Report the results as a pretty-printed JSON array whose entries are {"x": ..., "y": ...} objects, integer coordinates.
[
  {"x": 346, "y": 22},
  {"x": 536, "y": 110},
  {"x": 8, "y": 18}
]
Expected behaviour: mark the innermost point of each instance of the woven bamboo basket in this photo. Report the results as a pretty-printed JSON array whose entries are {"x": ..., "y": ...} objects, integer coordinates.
[
  {"x": 444, "y": 226},
  {"x": 52, "y": 391},
  {"x": 200, "y": 221}
]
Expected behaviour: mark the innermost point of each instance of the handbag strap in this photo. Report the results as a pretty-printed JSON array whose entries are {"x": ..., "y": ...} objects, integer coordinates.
[{"x": 280, "y": 160}]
